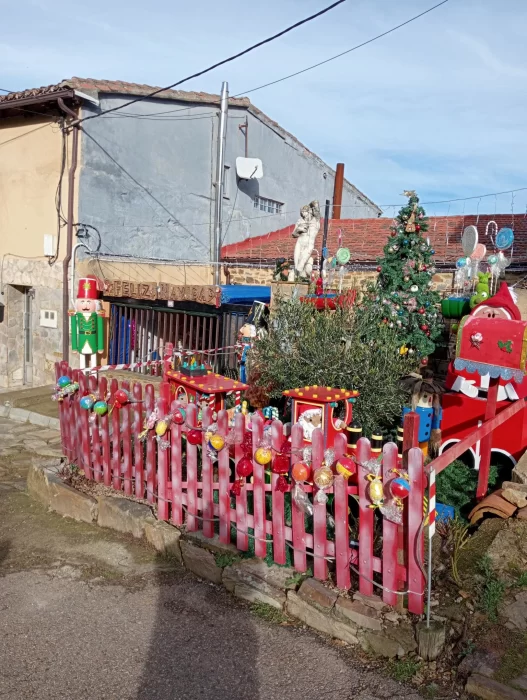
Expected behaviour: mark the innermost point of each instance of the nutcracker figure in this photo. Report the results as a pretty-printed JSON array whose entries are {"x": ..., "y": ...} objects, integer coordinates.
[{"x": 87, "y": 326}]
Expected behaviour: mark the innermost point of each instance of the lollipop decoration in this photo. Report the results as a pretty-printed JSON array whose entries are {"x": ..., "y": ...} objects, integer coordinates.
[
  {"x": 64, "y": 387},
  {"x": 504, "y": 239}
]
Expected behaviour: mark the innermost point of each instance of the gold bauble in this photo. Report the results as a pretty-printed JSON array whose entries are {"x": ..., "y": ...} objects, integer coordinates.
[
  {"x": 323, "y": 477},
  {"x": 263, "y": 455},
  {"x": 376, "y": 491},
  {"x": 217, "y": 442}
]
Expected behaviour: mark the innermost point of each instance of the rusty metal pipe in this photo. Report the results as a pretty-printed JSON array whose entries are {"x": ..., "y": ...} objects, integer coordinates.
[
  {"x": 69, "y": 232},
  {"x": 337, "y": 191}
]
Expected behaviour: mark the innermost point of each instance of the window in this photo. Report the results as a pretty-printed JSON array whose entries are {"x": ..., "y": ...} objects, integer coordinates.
[{"x": 268, "y": 205}]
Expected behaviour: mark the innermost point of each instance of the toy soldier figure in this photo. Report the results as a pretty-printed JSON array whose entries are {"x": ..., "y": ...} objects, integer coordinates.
[{"x": 87, "y": 326}]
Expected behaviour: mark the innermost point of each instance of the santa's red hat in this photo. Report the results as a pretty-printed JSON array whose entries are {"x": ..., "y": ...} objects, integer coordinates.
[
  {"x": 88, "y": 288},
  {"x": 503, "y": 300}
]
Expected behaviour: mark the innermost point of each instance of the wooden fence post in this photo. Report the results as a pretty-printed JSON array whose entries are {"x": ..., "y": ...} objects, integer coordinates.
[
  {"x": 260, "y": 545},
  {"x": 223, "y": 479},
  {"x": 95, "y": 429},
  {"x": 162, "y": 459},
  {"x": 192, "y": 472},
  {"x": 105, "y": 437},
  {"x": 206, "y": 478},
  {"x": 390, "y": 530},
  {"x": 116, "y": 440},
  {"x": 278, "y": 515},
  {"x": 139, "y": 486},
  {"x": 84, "y": 425},
  {"x": 127, "y": 444},
  {"x": 150, "y": 448},
  {"x": 242, "y": 538},
  {"x": 320, "y": 567},
  {"x": 297, "y": 516},
  {"x": 415, "y": 538},
  {"x": 342, "y": 539},
  {"x": 366, "y": 520}
]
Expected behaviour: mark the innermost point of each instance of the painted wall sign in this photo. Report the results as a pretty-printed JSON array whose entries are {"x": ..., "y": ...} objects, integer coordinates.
[{"x": 150, "y": 291}]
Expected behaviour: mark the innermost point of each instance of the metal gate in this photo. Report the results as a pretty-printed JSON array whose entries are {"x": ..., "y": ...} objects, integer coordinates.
[{"x": 138, "y": 334}]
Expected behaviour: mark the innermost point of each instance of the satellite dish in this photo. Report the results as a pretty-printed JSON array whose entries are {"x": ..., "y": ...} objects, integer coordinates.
[
  {"x": 469, "y": 239},
  {"x": 505, "y": 238},
  {"x": 249, "y": 168}
]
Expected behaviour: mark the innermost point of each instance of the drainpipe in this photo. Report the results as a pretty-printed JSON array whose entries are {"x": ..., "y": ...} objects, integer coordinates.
[
  {"x": 69, "y": 233},
  {"x": 337, "y": 192}
]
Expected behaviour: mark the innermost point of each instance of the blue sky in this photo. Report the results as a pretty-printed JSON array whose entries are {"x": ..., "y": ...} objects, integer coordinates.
[{"x": 439, "y": 106}]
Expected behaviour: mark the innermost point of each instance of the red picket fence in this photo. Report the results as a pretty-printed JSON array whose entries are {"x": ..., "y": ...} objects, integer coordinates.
[{"x": 189, "y": 490}]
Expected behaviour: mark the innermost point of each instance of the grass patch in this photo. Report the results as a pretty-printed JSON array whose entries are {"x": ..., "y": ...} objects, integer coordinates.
[
  {"x": 403, "y": 670},
  {"x": 492, "y": 590},
  {"x": 268, "y": 613},
  {"x": 298, "y": 578},
  {"x": 224, "y": 559},
  {"x": 514, "y": 661},
  {"x": 430, "y": 691}
]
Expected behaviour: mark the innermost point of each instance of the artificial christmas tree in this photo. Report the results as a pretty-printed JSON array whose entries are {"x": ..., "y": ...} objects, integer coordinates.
[{"x": 402, "y": 296}]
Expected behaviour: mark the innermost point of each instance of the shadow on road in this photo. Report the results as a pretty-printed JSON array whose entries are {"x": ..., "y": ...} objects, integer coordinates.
[{"x": 201, "y": 645}]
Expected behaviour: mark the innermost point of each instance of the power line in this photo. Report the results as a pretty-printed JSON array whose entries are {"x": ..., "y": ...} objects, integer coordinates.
[{"x": 220, "y": 63}]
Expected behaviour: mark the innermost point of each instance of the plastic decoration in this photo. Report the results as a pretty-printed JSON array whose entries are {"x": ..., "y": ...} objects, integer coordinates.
[
  {"x": 236, "y": 488},
  {"x": 263, "y": 455},
  {"x": 400, "y": 487},
  {"x": 87, "y": 402},
  {"x": 100, "y": 408},
  {"x": 345, "y": 467},
  {"x": 61, "y": 393},
  {"x": 194, "y": 437},
  {"x": 244, "y": 468},
  {"x": 63, "y": 382},
  {"x": 280, "y": 464},
  {"x": 376, "y": 490},
  {"x": 469, "y": 239},
  {"x": 282, "y": 484},
  {"x": 216, "y": 442},
  {"x": 179, "y": 416},
  {"x": 323, "y": 479},
  {"x": 301, "y": 471},
  {"x": 343, "y": 256},
  {"x": 161, "y": 427},
  {"x": 301, "y": 500},
  {"x": 504, "y": 238}
]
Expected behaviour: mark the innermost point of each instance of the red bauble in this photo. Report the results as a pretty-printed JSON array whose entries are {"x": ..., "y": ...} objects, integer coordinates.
[
  {"x": 178, "y": 416},
  {"x": 424, "y": 361},
  {"x": 427, "y": 332},
  {"x": 121, "y": 396},
  {"x": 281, "y": 484},
  {"x": 424, "y": 267},
  {"x": 393, "y": 233},
  {"x": 379, "y": 268},
  {"x": 236, "y": 488},
  {"x": 194, "y": 437},
  {"x": 424, "y": 327},
  {"x": 244, "y": 467},
  {"x": 301, "y": 471},
  {"x": 280, "y": 464},
  {"x": 421, "y": 310},
  {"x": 417, "y": 227}
]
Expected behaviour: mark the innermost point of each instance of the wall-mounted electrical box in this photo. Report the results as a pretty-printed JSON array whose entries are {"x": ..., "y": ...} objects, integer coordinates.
[
  {"x": 48, "y": 318},
  {"x": 50, "y": 245}
]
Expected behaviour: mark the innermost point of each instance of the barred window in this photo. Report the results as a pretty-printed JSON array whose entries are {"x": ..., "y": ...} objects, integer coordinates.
[{"x": 268, "y": 205}]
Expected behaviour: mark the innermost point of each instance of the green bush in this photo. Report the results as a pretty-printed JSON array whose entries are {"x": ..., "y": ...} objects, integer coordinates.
[
  {"x": 328, "y": 348},
  {"x": 456, "y": 485}
]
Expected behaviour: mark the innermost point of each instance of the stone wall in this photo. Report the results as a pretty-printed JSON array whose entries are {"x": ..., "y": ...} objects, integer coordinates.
[{"x": 19, "y": 275}]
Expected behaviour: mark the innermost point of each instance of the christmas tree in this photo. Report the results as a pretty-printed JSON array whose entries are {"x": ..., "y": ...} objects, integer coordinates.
[{"x": 403, "y": 297}]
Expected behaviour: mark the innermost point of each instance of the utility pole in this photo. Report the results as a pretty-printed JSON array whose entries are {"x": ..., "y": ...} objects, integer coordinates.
[{"x": 220, "y": 174}]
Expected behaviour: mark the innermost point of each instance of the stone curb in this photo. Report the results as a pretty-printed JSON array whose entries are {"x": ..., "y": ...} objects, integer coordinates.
[
  {"x": 20, "y": 415},
  {"x": 361, "y": 620}
]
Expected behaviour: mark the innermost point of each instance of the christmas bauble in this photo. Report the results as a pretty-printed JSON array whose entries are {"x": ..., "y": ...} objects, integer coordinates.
[
  {"x": 87, "y": 402},
  {"x": 179, "y": 416},
  {"x": 376, "y": 491},
  {"x": 399, "y": 487},
  {"x": 65, "y": 381},
  {"x": 393, "y": 233},
  {"x": 194, "y": 437},
  {"x": 100, "y": 408},
  {"x": 432, "y": 252},
  {"x": 345, "y": 466},
  {"x": 405, "y": 241},
  {"x": 121, "y": 396},
  {"x": 424, "y": 327},
  {"x": 301, "y": 471},
  {"x": 244, "y": 467},
  {"x": 421, "y": 310},
  {"x": 263, "y": 455},
  {"x": 323, "y": 477},
  {"x": 414, "y": 288},
  {"x": 424, "y": 361},
  {"x": 379, "y": 268},
  {"x": 280, "y": 464},
  {"x": 217, "y": 442},
  {"x": 406, "y": 278},
  {"x": 417, "y": 227}
]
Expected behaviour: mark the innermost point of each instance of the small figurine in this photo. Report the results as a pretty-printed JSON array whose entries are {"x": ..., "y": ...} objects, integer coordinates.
[
  {"x": 87, "y": 325},
  {"x": 425, "y": 401},
  {"x": 482, "y": 292}
]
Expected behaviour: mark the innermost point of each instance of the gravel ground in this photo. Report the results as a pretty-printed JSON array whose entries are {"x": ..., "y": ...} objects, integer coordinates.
[{"x": 86, "y": 614}]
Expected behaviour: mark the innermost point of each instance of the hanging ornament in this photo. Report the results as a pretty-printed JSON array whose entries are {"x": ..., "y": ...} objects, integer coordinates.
[
  {"x": 244, "y": 468},
  {"x": 87, "y": 402},
  {"x": 63, "y": 382},
  {"x": 421, "y": 310},
  {"x": 100, "y": 408},
  {"x": 280, "y": 464},
  {"x": 161, "y": 427},
  {"x": 400, "y": 487},
  {"x": 216, "y": 442},
  {"x": 179, "y": 416},
  {"x": 379, "y": 268},
  {"x": 301, "y": 471},
  {"x": 323, "y": 479},
  {"x": 345, "y": 467},
  {"x": 375, "y": 490},
  {"x": 263, "y": 455},
  {"x": 194, "y": 436},
  {"x": 236, "y": 488},
  {"x": 282, "y": 484}
]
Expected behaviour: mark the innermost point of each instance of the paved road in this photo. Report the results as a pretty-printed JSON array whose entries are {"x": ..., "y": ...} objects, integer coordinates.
[{"x": 88, "y": 615}]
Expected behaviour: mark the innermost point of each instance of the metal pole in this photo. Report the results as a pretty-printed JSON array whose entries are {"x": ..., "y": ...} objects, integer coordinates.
[
  {"x": 337, "y": 191},
  {"x": 324, "y": 237},
  {"x": 429, "y": 583},
  {"x": 220, "y": 173}
]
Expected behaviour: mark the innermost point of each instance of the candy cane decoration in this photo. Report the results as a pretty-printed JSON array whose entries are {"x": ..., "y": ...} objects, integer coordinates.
[{"x": 432, "y": 504}]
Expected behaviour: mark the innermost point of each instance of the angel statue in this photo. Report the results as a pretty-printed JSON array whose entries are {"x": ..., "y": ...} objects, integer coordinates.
[{"x": 306, "y": 230}]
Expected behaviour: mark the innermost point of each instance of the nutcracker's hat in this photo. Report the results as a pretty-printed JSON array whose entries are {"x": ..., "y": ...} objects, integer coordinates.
[
  {"x": 88, "y": 288},
  {"x": 503, "y": 300}
]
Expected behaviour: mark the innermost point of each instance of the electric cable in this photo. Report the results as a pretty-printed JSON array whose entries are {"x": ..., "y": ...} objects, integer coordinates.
[{"x": 219, "y": 63}]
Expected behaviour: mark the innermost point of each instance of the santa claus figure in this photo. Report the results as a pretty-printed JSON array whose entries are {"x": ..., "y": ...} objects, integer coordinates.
[
  {"x": 87, "y": 325},
  {"x": 501, "y": 305}
]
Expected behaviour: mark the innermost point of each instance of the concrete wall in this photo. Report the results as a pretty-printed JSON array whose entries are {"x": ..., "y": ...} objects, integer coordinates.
[
  {"x": 147, "y": 183},
  {"x": 30, "y": 163}
]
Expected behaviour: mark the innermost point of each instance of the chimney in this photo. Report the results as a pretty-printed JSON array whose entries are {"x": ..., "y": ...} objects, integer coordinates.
[{"x": 337, "y": 192}]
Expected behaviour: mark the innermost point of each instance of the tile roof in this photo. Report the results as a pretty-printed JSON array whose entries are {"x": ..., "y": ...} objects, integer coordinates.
[
  {"x": 90, "y": 85},
  {"x": 366, "y": 238}
]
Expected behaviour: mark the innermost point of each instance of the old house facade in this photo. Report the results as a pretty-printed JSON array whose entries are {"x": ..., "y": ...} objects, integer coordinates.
[{"x": 143, "y": 186}]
